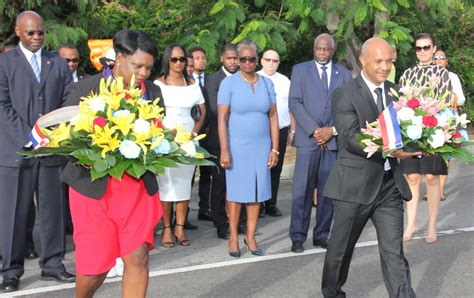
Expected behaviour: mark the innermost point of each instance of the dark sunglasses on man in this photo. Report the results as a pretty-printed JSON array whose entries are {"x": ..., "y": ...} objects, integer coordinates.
[
  {"x": 439, "y": 57},
  {"x": 424, "y": 48},
  {"x": 176, "y": 59},
  {"x": 247, "y": 59},
  {"x": 73, "y": 60},
  {"x": 32, "y": 33}
]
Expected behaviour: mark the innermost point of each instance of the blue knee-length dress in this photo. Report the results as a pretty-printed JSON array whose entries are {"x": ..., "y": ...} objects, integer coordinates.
[{"x": 248, "y": 180}]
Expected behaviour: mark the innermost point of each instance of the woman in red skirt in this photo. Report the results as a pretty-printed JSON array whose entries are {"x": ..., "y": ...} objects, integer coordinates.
[{"x": 115, "y": 218}]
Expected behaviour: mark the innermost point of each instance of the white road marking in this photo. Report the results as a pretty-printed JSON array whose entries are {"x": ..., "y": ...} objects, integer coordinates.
[{"x": 217, "y": 265}]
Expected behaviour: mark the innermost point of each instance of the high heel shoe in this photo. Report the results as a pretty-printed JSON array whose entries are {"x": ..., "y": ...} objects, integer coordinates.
[
  {"x": 234, "y": 254},
  {"x": 167, "y": 244},
  {"x": 183, "y": 241},
  {"x": 257, "y": 252}
]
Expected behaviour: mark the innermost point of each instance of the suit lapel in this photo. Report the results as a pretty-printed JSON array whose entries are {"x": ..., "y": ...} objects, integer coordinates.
[
  {"x": 334, "y": 81},
  {"x": 388, "y": 95},
  {"x": 46, "y": 65},
  {"x": 315, "y": 74},
  {"x": 23, "y": 62}
]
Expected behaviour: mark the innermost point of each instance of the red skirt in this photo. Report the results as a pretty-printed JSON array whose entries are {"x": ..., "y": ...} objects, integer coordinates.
[{"x": 113, "y": 226}]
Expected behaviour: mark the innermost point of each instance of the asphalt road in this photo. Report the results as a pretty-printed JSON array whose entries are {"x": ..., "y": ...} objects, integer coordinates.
[{"x": 204, "y": 269}]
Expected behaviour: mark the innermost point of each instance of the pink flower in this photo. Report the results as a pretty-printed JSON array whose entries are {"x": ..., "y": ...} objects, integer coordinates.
[
  {"x": 371, "y": 148},
  {"x": 413, "y": 103},
  {"x": 373, "y": 131},
  {"x": 458, "y": 136},
  {"x": 430, "y": 121}
]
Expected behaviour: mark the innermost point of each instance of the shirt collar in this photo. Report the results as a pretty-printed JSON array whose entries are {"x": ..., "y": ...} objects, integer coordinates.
[
  {"x": 371, "y": 85},
  {"x": 328, "y": 65},
  {"x": 225, "y": 71},
  {"x": 28, "y": 54}
]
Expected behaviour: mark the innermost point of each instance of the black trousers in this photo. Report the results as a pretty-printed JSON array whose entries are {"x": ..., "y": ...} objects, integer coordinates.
[
  {"x": 218, "y": 191},
  {"x": 276, "y": 171},
  {"x": 17, "y": 186},
  {"x": 204, "y": 191},
  {"x": 386, "y": 213}
]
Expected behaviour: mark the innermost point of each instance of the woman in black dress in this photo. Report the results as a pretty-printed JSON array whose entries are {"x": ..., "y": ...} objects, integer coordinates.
[{"x": 429, "y": 166}]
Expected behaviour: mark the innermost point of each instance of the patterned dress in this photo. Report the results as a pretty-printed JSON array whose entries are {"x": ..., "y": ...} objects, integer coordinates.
[{"x": 434, "y": 165}]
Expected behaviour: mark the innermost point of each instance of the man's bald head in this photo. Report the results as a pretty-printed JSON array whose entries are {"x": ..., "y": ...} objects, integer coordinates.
[
  {"x": 376, "y": 60},
  {"x": 30, "y": 29}
]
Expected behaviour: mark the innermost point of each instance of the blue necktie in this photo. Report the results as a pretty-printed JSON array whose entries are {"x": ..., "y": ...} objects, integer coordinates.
[
  {"x": 35, "y": 66},
  {"x": 324, "y": 79}
]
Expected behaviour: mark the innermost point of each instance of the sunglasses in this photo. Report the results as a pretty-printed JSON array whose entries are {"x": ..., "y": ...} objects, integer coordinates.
[
  {"x": 271, "y": 60},
  {"x": 73, "y": 60},
  {"x": 32, "y": 33},
  {"x": 423, "y": 48},
  {"x": 247, "y": 59},
  {"x": 176, "y": 59},
  {"x": 439, "y": 57}
]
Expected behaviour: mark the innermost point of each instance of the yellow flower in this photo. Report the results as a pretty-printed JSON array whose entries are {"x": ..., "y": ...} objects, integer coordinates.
[
  {"x": 59, "y": 134},
  {"x": 158, "y": 138},
  {"x": 182, "y": 136},
  {"x": 112, "y": 145},
  {"x": 142, "y": 140},
  {"x": 83, "y": 122},
  {"x": 147, "y": 111},
  {"x": 124, "y": 121},
  {"x": 113, "y": 101},
  {"x": 104, "y": 138},
  {"x": 199, "y": 155}
]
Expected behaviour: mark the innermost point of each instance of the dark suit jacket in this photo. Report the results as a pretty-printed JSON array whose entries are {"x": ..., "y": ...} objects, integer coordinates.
[
  {"x": 212, "y": 84},
  {"x": 23, "y": 100},
  {"x": 81, "y": 75},
  {"x": 356, "y": 178},
  {"x": 77, "y": 176},
  {"x": 309, "y": 107}
]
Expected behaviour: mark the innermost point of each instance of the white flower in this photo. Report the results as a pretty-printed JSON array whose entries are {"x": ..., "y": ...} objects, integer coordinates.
[
  {"x": 141, "y": 126},
  {"x": 121, "y": 113},
  {"x": 437, "y": 138},
  {"x": 442, "y": 119},
  {"x": 405, "y": 114},
  {"x": 462, "y": 120},
  {"x": 414, "y": 132},
  {"x": 96, "y": 104},
  {"x": 189, "y": 148},
  {"x": 129, "y": 149},
  {"x": 417, "y": 120}
]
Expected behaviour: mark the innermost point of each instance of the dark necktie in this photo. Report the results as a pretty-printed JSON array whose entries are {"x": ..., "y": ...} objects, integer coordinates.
[
  {"x": 378, "y": 91},
  {"x": 200, "y": 80},
  {"x": 324, "y": 79}
]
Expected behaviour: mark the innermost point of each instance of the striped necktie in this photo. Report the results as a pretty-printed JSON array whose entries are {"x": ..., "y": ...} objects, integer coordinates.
[{"x": 35, "y": 67}]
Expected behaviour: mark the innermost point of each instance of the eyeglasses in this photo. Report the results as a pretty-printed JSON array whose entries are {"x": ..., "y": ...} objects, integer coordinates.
[
  {"x": 423, "y": 48},
  {"x": 73, "y": 60},
  {"x": 176, "y": 59},
  {"x": 247, "y": 59},
  {"x": 32, "y": 33},
  {"x": 439, "y": 57},
  {"x": 271, "y": 60}
]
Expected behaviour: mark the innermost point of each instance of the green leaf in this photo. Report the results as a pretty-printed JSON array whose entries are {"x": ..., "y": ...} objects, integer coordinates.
[
  {"x": 217, "y": 7},
  {"x": 119, "y": 169},
  {"x": 166, "y": 162},
  {"x": 86, "y": 156},
  {"x": 137, "y": 169},
  {"x": 360, "y": 13},
  {"x": 404, "y": 3},
  {"x": 96, "y": 175},
  {"x": 101, "y": 165},
  {"x": 259, "y": 39},
  {"x": 260, "y": 3},
  {"x": 111, "y": 161},
  {"x": 378, "y": 4}
]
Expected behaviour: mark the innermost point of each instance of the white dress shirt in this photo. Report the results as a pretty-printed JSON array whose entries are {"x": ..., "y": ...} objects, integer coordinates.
[
  {"x": 282, "y": 89},
  {"x": 372, "y": 88},
  {"x": 226, "y": 72},
  {"x": 196, "y": 78},
  {"x": 74, "y": 77},
  {"x": 28, "y": 54},
  {"x": 328, "y": 71},
  {"x": 457, "y": 88}
]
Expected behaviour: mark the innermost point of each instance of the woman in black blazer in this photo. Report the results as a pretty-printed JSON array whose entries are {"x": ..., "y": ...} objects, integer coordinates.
[{"x": 115, "y": 218}]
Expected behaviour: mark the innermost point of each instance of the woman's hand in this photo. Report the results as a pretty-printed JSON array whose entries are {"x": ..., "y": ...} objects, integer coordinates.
[
  {"x": 273, "y": 159},
  {"x": 225, "y": 160}
]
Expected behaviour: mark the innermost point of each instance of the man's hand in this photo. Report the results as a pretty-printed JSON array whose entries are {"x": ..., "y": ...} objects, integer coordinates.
[
  {"x": 401, "y": 154},
  {"x": 322, "y": 135}
]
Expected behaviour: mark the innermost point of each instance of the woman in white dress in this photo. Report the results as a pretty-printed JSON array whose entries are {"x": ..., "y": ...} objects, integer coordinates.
[{"x": 180, "y": 94}]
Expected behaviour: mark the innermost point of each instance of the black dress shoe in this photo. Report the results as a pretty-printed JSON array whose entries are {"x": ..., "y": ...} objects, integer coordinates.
[
  {"x": 190, "y": 226},
  {"x": 63, "y": 277},
  {"x": 10, "y": 284},
  {"x": 223, "y": 233},
  {"x": 204, "y": 216},
  {"x": 31, "y": 254},
  {"x": 297, "y": 247},
  {"x": 323, "y": 243},
  {"x": 273, "y": 211}
]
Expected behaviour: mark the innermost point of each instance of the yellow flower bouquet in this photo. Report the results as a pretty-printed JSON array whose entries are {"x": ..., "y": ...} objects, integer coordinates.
[{"x": 118, "y": 132}]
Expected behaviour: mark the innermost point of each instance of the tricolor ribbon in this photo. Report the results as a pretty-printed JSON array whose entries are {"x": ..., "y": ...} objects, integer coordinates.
[
  {"x": 390, "y": 129},
  {"x": 38, "y": 138}
]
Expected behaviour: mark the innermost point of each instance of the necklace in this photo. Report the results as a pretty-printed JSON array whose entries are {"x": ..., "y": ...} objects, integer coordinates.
[
  {"x": 249, "y": 81},
  {"x": 173, "y": 84}
]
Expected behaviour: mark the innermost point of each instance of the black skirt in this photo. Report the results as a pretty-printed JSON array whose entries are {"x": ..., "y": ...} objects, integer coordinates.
[{"x": 434, "y": 165}]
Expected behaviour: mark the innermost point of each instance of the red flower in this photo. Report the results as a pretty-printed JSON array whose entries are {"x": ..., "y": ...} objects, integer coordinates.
[
  {"x": 127, "y": 96},
  {"x": 430, "y": 121},
  {"x": 157, "y": 123},
  {"x": 458, "y": 136},
  {"x": 100, "y": 121},
  {"x": 413, "y": 103}
]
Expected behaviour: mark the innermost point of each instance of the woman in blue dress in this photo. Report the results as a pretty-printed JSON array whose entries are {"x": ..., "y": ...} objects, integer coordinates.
[{"x": 248, "y": 134}]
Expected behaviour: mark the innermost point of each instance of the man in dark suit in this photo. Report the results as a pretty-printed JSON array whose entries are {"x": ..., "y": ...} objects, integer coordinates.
[
  {"x": 229, "y": 60},
  {"x": 71, "y": 54},
  {"x": 33, "y": 82},
  {"x": 366, "y": 188},
  {"x": 312, "y": 85}
]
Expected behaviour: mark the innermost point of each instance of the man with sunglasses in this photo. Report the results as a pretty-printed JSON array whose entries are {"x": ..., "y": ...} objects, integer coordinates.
[
  {"x": 71, "y": 54},
  {"x": 312, "y": 85},
  {"x": 270, "y": 62},
  {"x": 33, "y": 82}
]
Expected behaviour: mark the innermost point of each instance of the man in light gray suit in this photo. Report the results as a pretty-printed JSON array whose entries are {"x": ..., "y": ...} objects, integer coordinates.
[
  {"x": 312, "y": 85},
  {"x": 33, "y": 82},
  {"x": 366, "y": 188}
]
